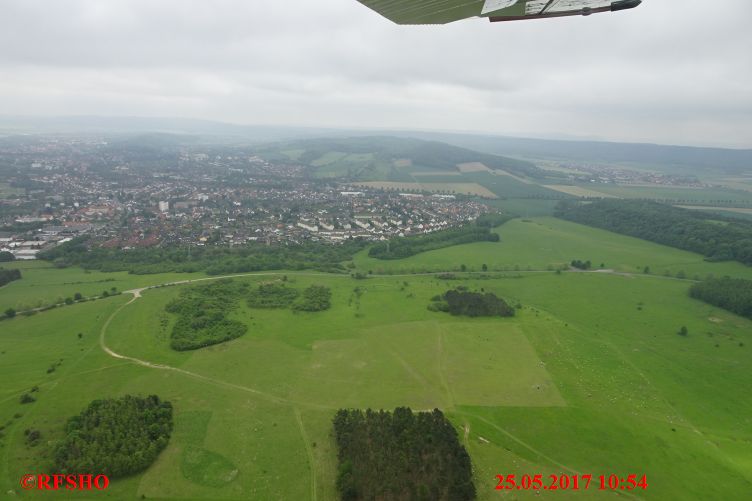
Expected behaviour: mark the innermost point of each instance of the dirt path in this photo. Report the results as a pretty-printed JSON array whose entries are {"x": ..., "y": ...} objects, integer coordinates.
[
  {"x": 150, "y": 365},
  {"x": 309, "y": 452}
]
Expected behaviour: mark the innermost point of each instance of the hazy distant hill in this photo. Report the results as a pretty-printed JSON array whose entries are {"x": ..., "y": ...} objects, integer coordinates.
[
  {"x": 141, "y": 125},
  {"x": 711, "y": 160},
  {"x": 383, "y": 153},
  {"x": 683, "y": 159}
]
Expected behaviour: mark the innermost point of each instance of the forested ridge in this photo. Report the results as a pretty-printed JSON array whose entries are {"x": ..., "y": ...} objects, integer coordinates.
[
  {"x": 732, "y": 294},
  {"x": 400, "y": 455},
  {"x": 438, "y": 155},
  {"x": 716, "y": 237},
  {"x": 115, "y": 437}
]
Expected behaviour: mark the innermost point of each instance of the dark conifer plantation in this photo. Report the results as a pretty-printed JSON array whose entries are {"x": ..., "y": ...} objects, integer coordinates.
[
  {"x": 115, "y": 437},
  {"x": 401, "y": 455}
]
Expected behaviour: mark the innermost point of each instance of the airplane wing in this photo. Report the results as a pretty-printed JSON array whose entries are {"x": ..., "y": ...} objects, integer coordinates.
[{"x": 447, "y": 11}]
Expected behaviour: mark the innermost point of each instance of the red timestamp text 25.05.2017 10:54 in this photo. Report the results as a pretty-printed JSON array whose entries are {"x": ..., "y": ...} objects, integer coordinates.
[{"x": 572, "y": 482}]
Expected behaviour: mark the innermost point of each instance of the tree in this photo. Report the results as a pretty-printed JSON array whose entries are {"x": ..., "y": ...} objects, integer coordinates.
[
  {"x": 6, "y": 256},
  {"x": 10, "y": 313},
  {"x": 68, "y": 300},
  {"x": 77, "y": 296},
  {"x": 463, "y": 267},
  {"x": 484, "y": 267},
  {"x": 683, "y": 331},
  {"x": 27, "y": 398}
]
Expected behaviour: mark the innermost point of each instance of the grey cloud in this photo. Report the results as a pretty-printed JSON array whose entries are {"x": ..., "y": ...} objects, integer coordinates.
[{"x": 672, "y": 72}]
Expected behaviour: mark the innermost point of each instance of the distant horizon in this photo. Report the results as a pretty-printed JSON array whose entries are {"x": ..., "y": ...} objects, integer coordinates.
[{"x": 551, "y": 136}]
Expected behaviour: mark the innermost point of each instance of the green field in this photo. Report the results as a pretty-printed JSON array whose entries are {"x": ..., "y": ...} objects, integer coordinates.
[
  {"x": 42, "y": 284},
  {"x": 679, "y": 195},
  {"x": 7, "y": 191},
  {"x": 545, "y": 243},
  {"x": 589, "y": 377}
]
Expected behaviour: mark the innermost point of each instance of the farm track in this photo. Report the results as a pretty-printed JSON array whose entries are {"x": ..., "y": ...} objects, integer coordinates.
[{"x": 309, "y": 452}]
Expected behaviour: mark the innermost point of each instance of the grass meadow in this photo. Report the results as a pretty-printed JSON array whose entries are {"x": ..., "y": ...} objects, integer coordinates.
[
  {"x": 545, "y": 243},
  {"x": 589, "y": 377}
]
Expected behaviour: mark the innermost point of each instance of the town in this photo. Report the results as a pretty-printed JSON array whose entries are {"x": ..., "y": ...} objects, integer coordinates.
[{"x": 58, "y": 189}]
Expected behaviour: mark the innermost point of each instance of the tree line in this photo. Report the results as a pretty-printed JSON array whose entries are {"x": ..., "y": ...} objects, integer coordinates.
[
  {"x": 214, "y": 260},
  {"x": 402, "y": 247},
  {"x": 718, "y": 238},
  {"x": 8, "y": 276},
  {"x": 115, "y": 437},
  {"x": 400, "y": 455},
  {"x": 732, "y": 294},
  {"x": 581, "y": 265}
]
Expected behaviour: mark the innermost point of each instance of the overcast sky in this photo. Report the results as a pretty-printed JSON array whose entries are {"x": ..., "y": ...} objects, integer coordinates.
[{"x": 671, "y": 71}]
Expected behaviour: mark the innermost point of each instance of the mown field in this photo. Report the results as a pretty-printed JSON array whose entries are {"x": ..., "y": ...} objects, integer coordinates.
[{"x": 589, "y": 377}]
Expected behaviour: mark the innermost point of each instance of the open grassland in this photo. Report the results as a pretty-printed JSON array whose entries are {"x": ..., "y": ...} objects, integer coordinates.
[
  {"x": 737, "y": 183},
  {"x": 717, "y": 209},
  {"x": 546, "y": 243},
  {"x": 506, "y": 186},
  {"x": 6, "y": 190},
  {"x": 589, "y": 377},
  {"x": 293, "y": 154},
  {"x": 351, "y": 165},
  {"x": 472, "y": 167},
  {"x": 542, "y": 392},
  {"x": 579, "y": 191},
  {"x": 679, "y": 195},
  {"x": 526, "y": 207},
  {"x": 42, "y": 284}
]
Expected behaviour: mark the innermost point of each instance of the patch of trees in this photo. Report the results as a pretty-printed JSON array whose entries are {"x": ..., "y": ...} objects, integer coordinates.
[
  {"x": 732, "y": 294},
  {"x": 272, "y": 296},
  {"x": 400, "y": 455},
  {"x": 493, "y": 219},
  {"x": 214, "y": 260},
  {"x": 690, "y": 230},
  {"x": 581, "y": 265},
  {"x": 314, "y": 298},
  {"x": 202, "y": 315},
  {"x": 6, "y": 257},
  {"x": 8, "y": 276},
  {"x": 399, "y": 248},
  {"x": 115, "y": 437},
  {"x": 471, "y": 304}
]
